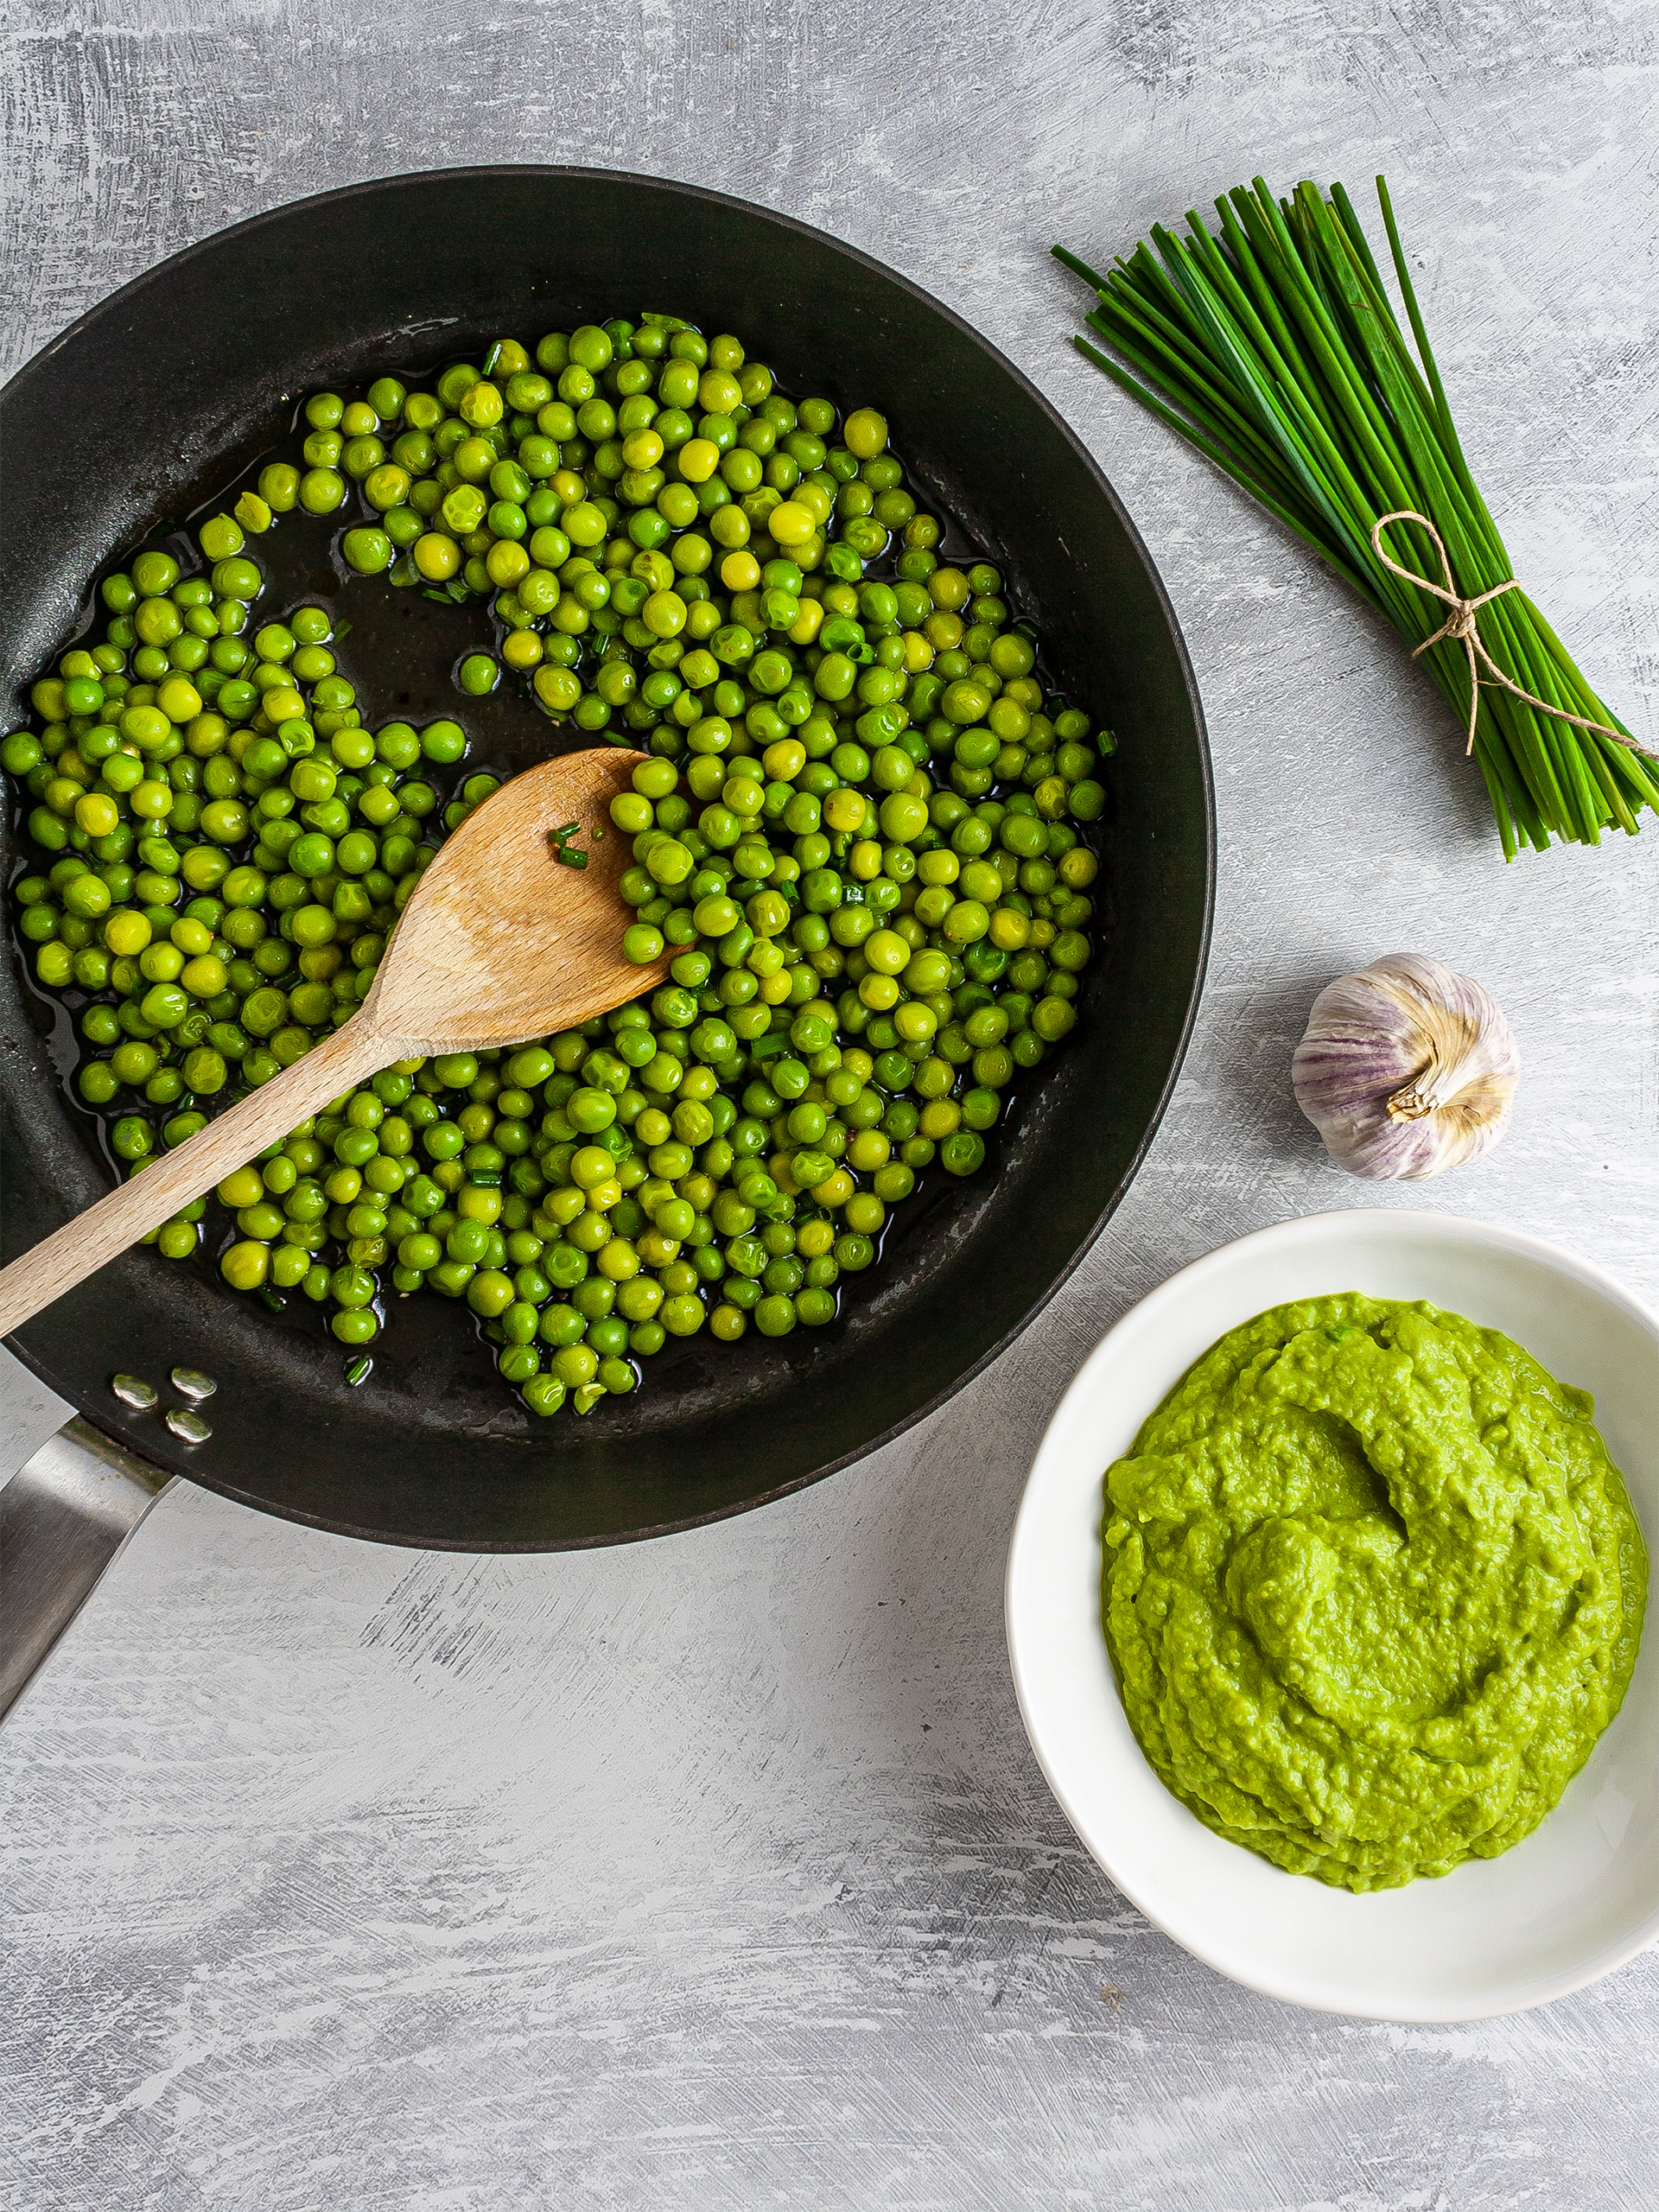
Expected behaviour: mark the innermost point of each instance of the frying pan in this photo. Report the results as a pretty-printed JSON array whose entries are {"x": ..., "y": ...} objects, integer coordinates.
[{"x": 114, "y": 433}]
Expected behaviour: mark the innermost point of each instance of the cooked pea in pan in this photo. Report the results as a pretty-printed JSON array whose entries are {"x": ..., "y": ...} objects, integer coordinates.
[{"x": 486, "y": 1421}]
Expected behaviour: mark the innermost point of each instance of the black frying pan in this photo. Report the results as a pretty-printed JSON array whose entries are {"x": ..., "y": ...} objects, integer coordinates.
[{"x": 150, "y": 403}]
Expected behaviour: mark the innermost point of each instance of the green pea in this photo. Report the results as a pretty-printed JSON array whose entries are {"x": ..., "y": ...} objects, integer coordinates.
[
  {"x": 963, "y": 1154},
  {"x": 244, "y": 1266},
  {"x": 590, "y": 1110},
  {"x": 544, "y": 1394},
  {"x": 775, "y": 1316},
  {"x": 21, "y": 753},
  {"x": 154, "y": 573},
  {"x": 205, "y": 1071},
  {"x": 164, "y": 1006},
  {"x": 490, "y": 1292},
  {"x": 320, "y": 491},
  {"x": 366, "y": 550}
]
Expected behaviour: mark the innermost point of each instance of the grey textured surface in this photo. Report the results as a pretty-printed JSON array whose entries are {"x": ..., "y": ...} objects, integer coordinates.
[{"x": 718, "y": 1872}]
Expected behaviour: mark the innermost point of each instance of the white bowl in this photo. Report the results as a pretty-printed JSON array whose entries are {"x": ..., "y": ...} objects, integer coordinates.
[{"x": 1578, "y": 1896}]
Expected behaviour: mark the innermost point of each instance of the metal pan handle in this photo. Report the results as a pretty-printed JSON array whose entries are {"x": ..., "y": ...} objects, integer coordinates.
[{"x": 63, "y": 1517}]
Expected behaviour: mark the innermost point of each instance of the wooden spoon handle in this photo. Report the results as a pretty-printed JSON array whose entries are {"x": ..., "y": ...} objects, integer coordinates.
[{"x": 355, "y": 1051}]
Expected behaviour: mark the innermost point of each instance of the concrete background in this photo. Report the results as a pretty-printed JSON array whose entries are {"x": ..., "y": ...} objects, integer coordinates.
[{"x": 718, "y": 1872}]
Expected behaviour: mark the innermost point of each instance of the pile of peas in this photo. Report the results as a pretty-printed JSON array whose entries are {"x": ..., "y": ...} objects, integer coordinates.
[{"x": 856, "y": 831}]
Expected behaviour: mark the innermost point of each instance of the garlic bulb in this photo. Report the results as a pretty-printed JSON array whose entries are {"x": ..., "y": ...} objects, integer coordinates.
[{"x": 1406, "y": 1069}]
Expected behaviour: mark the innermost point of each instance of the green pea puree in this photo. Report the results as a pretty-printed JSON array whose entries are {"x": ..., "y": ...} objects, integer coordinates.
[{"x": 1373, "y": 1589}]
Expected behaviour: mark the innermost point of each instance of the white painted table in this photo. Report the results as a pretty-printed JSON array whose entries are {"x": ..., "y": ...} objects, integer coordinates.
[{"x": 716, "y": 1873}]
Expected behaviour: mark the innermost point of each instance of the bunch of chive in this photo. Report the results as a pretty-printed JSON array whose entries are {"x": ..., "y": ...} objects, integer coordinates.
[{"x": 1273, "y": 348}]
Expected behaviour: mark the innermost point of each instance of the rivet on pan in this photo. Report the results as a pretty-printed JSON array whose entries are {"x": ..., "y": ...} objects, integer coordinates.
[
  {"x": 134, "y": 1391},
  {"x": 192, "y": 1384},
  {"x": 185, "y": 1421}
]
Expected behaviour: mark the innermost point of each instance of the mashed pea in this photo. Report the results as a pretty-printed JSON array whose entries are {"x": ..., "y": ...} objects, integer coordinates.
[{"x": 1373, "y": 1589}]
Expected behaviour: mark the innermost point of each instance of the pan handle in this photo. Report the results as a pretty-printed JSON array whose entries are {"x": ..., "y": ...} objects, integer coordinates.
[{"x": 63, "y": 1517}]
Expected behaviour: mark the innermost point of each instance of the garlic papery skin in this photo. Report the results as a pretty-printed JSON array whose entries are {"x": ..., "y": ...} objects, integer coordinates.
[{"x": 1406, "y": 1069}]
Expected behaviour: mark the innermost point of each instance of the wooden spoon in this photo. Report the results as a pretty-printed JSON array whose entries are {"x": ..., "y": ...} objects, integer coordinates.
[{"x": 498, "y": 943}]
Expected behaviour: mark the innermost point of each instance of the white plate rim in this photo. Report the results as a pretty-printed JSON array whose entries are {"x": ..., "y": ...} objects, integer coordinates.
[{"x": 1166, "y": 1294}]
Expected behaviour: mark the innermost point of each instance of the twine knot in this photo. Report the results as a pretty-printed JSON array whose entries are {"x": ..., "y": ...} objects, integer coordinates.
[{"x": 1462, "y": 624}]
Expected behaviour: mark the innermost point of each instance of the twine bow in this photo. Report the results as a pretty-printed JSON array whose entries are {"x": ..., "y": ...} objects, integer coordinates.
[{"x": 1461, "y": 624}]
